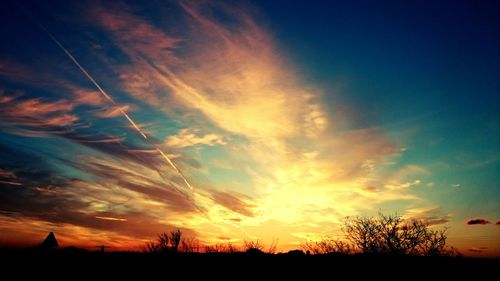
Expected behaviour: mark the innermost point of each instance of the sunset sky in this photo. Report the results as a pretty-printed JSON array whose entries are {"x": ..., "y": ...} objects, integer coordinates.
[{"x": 245, "y": 120}]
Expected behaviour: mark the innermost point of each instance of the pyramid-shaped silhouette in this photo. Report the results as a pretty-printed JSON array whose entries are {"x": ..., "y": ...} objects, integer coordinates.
[{"x": 50, "y": 242}]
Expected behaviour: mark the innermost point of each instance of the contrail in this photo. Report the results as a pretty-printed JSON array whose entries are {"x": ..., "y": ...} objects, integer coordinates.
[{"x": 107, "y": 96}]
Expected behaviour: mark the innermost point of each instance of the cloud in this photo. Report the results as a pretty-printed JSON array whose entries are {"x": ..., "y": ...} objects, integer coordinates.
[
  {"x": 292, "y": 157},
  {"x": 35, "y": 112},
  {"x": 233, "y": 79},
  {"x": 232, "y": 202},
  {"x": 15, "y": 71},
  {"x": 110, "y": 218},
  {"x": 34, "y": 117},
  {"x": 134, "y": 178},
  {"x": 101, "y": 204},
  {"x": 129, "y": 30},
  {"x": 8, "y": 96},
  {"x": 186, "y": 138},
  {"x": 112, "y": 146},
  {"x": 8, "y": 178},
  {"x": 477, "y": 221},
  {"x": 370, "y": 188},
  {"x": 403, "y": 185},
  {"x": 112, "y": 111},
  {"x": 38, "y": 78},
  {"x": 86, "y": 96},
  {"x": 7, "y": 174},
  {"x": 477, "y": 249},
  {"x": 432, "y": 215},
  {"x": 234, "y": 76}
]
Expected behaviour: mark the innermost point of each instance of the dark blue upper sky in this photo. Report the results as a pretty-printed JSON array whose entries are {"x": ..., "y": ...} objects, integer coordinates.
[{"x": 407, "y": 55}]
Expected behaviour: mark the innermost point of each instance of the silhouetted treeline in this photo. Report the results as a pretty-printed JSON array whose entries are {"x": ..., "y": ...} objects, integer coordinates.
[{"x": 380, "y": 235}]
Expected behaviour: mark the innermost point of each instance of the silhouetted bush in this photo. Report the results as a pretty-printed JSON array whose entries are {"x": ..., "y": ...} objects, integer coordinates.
[
  {"x": 253, "y": 246},
  {"x": 165, "y": 243},
  {"x": 272, "y": 248},
  {"x": 190, "y": 245},
  {"x": 221, "y": 248},
  {"x": 175, "y": 239},
  {"x": 327, "y": 246}
]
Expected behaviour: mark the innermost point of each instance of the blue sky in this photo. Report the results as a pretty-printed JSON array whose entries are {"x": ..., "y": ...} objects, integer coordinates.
[{"x": 290, "y": 114}]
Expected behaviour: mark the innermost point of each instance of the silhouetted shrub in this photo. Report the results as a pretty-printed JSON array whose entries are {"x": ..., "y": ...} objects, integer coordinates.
[
  {"x": 190, "y": 245},
  {"x": 327, "y": 246},
  {"x": 165, "y": 243},
  {"x": 272, "y": 248},
  {"x": 175, "y": 239},
  {"x": 221, "y": 248},
  {"x": 253, "y": 246}
]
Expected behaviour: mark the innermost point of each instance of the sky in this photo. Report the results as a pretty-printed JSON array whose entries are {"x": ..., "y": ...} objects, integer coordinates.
[{"x": 245, "y": 120}]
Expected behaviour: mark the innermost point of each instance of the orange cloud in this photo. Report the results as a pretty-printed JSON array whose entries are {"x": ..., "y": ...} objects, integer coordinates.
[
  {"x": 85, "y": 96},
  {"x": 110, "y": 218},
  {"x": 35, "y": 112},
  {"x": 139, "y": 37}
]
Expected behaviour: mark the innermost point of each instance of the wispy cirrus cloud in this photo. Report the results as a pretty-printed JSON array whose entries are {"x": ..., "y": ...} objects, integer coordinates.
[
  {"x": 232, "y": 75},
  {"x": 233, "y": 202},
  {"x": 115, "y": 192},
  {"x": 36, "y": 112},
  {"x": 86, "y": 96}
]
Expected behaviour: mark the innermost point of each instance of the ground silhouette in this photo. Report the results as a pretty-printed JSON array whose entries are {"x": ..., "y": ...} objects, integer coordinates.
[{"x": 382, "y": 246}]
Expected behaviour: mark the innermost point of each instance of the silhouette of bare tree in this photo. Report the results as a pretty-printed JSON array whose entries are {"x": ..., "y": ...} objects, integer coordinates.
[{"x": 390, "y": 234}]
